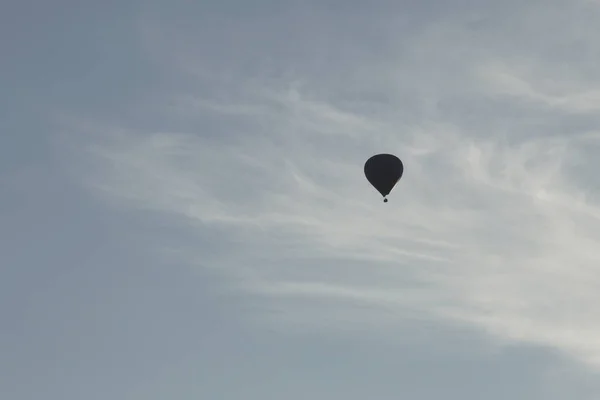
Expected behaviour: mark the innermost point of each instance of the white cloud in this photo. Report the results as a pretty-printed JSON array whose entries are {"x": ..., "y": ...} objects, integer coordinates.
[
  {"x": 493, "y": 230},
  {"x": 554, "y": 92}
]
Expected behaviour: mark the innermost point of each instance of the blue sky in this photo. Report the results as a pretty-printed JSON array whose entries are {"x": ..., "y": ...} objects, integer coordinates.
[{"x": 184, "y": 213}]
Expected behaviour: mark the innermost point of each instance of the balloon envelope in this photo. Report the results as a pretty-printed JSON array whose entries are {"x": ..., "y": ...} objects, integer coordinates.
[{"x": 383, "y": 171}]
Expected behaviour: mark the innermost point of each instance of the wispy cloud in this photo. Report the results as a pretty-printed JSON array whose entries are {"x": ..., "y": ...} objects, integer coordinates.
[
  {"x": 553, "y": 92},
  {"x": 489, "y": 227}
]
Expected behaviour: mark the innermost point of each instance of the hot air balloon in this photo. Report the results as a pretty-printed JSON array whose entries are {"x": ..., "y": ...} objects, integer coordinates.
[{"x": 383, "y": 171}]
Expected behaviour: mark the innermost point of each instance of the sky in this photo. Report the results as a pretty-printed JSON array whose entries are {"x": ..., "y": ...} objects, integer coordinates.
[{"x": 184, "y": 214}]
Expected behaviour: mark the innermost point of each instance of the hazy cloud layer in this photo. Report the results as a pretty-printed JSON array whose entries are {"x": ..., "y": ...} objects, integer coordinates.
[{"x": 266, "y": 121}]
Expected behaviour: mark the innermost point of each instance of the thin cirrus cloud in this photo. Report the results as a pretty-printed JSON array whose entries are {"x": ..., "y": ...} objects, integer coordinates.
[{"x": 494, "y": 225}]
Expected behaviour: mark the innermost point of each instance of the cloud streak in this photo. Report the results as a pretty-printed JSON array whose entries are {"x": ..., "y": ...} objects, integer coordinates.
[{"x": 492, "y": 227}]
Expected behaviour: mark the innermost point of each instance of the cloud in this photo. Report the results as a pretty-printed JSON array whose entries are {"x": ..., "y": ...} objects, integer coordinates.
[
  {"x": 574, "y": 97},
  {"x": 493, "y": 227}
]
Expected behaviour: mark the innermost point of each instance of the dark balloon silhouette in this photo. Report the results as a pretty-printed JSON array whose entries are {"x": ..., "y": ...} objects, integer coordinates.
[{"x": 383, "y": 171}]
